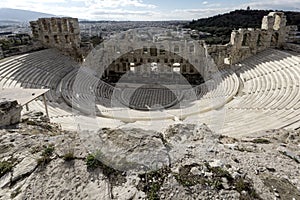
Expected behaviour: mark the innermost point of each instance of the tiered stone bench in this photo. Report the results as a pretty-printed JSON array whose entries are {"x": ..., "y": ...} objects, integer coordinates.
[{"x": 260, "y": 93}]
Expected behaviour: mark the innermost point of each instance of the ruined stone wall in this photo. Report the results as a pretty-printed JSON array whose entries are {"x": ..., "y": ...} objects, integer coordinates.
[
  {"x": 247, "y": 42},
  {"x": 61, "y": 33},
  {"x": 292, "y": 34},
  {"x": 188, "y": 57},
  {"x": 292, "y": 47},
  {"x": 10, "y": 112}
]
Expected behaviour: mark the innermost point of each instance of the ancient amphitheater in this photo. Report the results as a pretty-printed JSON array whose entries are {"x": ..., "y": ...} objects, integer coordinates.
[{"x": 251, "y": 94}]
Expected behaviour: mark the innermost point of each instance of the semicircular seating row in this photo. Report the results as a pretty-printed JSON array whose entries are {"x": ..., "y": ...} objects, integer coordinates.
[
  {"x": 271, "y": 95},
  {"x": 41, "y": 69},
  {"x": 269, "y": 98},
  {"x": 82, "y": 90},
  {"x": 222, "y": 87},
  {"x": 78, "y": 87}
]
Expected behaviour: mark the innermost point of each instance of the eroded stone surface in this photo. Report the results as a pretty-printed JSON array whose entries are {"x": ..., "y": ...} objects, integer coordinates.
[
  {"x": 10, "y": 112},
  {"x": 201, "y": 164}
]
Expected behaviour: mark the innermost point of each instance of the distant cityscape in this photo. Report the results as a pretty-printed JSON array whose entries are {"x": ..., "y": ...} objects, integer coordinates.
[{"x": 16, "y": 37}]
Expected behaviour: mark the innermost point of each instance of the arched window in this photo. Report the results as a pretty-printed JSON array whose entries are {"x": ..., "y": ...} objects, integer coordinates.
[
  {"x": 67, "y": 39},
  {"x": 274, "y": 40},
  {"x": 259, "y": 43},
  {"x": 153, "y": 51},
  {"x": 145, "y": 50},
  {"x": 192, "y": 48},
  {"x": 162, "y": 50},
  {"x": 176, "y": 49},
  {"x": 56, "y": 38},
  {"x": 245, "y": 39},
  {"x": 124, "y": 67},
  {"x": 47, "y": 39}
]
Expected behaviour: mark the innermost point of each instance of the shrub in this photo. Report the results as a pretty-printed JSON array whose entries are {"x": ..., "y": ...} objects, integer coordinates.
[
  {"x": 48, "y": 150},
  {"x": 243, "y": 185},
  {"x": 261, "y": 141},
  {"x": 69, "y": 156},
  {"x": 5, "y": 166},
  {"x": 46, "y": 155},
  {"x": 92, "y": 161}
]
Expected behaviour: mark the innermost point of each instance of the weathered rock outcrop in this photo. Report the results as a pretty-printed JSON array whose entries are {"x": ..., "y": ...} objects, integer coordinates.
[
  {"x": 186, "y": 161},
  {"x": 10, "y": 112}
]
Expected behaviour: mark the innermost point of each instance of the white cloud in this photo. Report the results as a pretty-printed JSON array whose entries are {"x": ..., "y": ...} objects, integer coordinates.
[
  {"x": 189, "y": 14},
  {"x": 275, "y": 4},
  {"x": 121, "y": 12},
  {"x": 117, "y": 3},
  {"x": 139, "y": 9},
  {"x": 86, "y": 9}
]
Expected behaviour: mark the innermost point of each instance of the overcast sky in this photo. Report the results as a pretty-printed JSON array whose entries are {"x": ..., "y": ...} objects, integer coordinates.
[{"x": 145, "y": 9}]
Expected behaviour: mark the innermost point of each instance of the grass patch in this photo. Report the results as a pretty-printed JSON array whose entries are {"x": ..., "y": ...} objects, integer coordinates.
[
  {"x": 261, "y": 141},
  {"x": 283, "y": 186},
  {"x": 36, "y": 149},
  {"x": 43, "y": 125},
  {"x": 151, "y": 182},
  {"x": 5, "y": 166},
  {"x": 218, "y": 174},
  {"x": 31, "y": 123},
  {"x": 188, "y": 179},
  {"x": 242, "y": 185},
  {"x": 68, "y": 156},
  {"x": 46, "y": 155},
  {"x": 94, "y": 161}
]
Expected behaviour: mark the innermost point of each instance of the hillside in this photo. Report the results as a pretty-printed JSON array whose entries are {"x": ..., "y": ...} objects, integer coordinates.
[
  {"x": 220, "y": 26},
  {"x": 186, "y": 161}
]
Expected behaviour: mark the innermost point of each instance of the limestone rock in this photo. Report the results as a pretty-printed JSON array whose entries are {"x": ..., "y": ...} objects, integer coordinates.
[
  {"x": 10, "y": 112},
  {"x": 128, "y": 149},
  {"x": 25, "y": 167},
  {"x": 198, "y": 165},
  {"x": 5, "y": 180}
]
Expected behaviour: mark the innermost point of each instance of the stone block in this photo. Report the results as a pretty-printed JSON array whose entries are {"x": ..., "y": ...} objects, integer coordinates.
[{"x": 10, "y": 112}]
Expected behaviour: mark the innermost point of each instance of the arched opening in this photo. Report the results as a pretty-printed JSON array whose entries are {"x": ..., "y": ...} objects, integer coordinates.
[
  {"x": 47, "y": 39},
  {"x": 259, "y": 42},
  {"x": 192, "y": 48},
  {"x": 161, "y": 50},
  {"x": 153, "y": 51},
  {"x": 176, "y": 49},
  {"x": 67, "y": 39},
  {"x": 56, "y": 39},
  {"x": 165, "y": 67},
  {"x": 245, "y": 39},
  {"x": 274, "y": 39}
]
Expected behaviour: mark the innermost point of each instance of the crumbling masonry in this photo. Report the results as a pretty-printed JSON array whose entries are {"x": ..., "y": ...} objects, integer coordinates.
[
  {"x": 10, "y": 112},
  {"x": 61, "y": 33},
  {"x": 64, "y": 34},
  {"x": 247, "y": 42}
]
